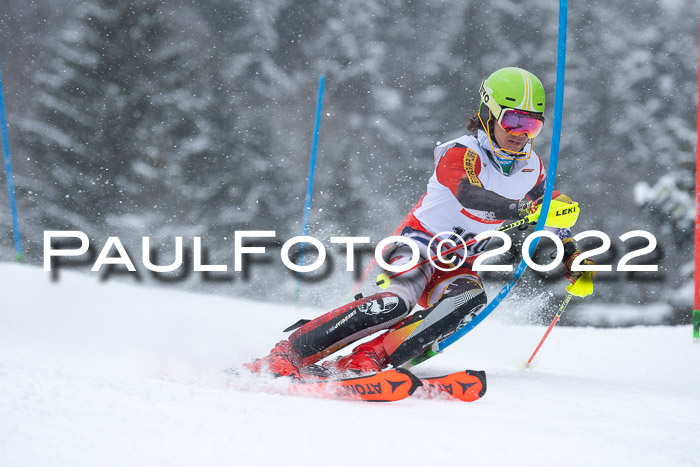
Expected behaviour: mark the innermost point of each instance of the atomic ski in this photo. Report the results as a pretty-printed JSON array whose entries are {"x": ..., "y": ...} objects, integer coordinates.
[
  {"x": 385, "y": 386},
  {"x": 467, "y": 385},
  {"x": 396, "y": 384}
]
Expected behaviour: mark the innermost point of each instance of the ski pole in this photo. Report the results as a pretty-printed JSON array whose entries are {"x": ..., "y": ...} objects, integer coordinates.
[
  {"x": 383, "y": 279},
  {"x": 310, "y": 183},
  {"x": 8, "y": 176},
  {"x": 562, "y": 307}
]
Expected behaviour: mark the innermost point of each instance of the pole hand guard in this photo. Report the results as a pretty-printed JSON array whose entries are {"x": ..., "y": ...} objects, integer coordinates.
[
  {"x": 562, "y": 215},
  {"x": 582, "y": 287}
]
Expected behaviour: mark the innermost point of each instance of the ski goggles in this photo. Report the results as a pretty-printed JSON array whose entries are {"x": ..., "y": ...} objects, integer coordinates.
[{"x": 514, "y": 121}]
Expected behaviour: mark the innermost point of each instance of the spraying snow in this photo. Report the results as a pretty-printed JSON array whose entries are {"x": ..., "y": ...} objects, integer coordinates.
[{"x": 109, "y": 374}]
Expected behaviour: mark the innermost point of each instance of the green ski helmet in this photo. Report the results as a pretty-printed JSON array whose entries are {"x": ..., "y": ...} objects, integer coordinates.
[
  {"x": 515, "y": 99},
  {"x": 514, "y": 88}
]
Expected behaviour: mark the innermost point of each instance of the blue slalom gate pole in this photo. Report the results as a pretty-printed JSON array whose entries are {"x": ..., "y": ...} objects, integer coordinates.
[
  {"x": 310, "y": 183},
  {"x": 8, "y": 175},
  {"x": 549, "y": 186}
]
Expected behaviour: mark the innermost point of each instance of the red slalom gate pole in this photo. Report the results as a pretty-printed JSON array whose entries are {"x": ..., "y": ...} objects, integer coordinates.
[
  {"x": 562, "y": 307},
  {"x": 380, "y": 279}
]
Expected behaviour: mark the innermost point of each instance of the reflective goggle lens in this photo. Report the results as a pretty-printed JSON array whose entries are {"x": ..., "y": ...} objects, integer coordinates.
[{"x": 518, "y": 122}]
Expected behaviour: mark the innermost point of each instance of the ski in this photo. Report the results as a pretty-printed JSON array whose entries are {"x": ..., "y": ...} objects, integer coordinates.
[
  {"x": 467, "y": 386},
  {"x": 397, "y": 384},
  {"x": 385, "y": 386}
]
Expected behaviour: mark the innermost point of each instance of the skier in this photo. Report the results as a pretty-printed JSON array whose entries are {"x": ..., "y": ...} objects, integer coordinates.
[{"x": 479, "y": 181}]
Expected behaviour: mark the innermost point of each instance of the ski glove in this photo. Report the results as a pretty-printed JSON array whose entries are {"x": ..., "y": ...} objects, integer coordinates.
[
  {"x": 527, "y": 207},
  {"x": 581, "y": 281}
]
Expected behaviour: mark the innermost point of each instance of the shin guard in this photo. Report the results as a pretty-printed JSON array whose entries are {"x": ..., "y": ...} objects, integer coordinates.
[
  {"x": 328, "y": 333},
  {"x": 427, "y": 327}
]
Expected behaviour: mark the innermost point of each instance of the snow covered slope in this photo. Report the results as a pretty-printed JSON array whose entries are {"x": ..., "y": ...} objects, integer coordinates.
[{"x": 114, "y": 375}]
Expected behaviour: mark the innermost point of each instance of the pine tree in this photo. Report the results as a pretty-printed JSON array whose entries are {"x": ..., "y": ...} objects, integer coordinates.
[{"x": 121, "y": 107}]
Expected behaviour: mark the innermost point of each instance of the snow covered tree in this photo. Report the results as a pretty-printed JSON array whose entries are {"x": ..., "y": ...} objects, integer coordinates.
[
  {"x": 197, "y": 117},
  {"x": 121, "y": 113}
]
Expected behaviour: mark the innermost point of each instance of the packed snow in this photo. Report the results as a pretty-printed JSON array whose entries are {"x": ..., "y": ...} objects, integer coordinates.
[{"x": 114, "y": 375}]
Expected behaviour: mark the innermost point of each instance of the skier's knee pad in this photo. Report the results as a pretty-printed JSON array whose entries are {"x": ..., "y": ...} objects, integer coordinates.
[
  {"x": 334, "y": 330},
  {"x": 382, "y": 307}
]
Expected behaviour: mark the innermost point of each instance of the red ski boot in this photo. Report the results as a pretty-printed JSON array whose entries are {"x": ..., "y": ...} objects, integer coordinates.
[
  {"x": 369, "y": 357},
  {"x": 283, "y": 360}
]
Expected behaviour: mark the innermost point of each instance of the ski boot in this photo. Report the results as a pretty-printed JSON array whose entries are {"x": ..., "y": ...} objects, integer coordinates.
[
  {"x": 370, "y": 357},
  {"x": 283, "y": 360}
]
